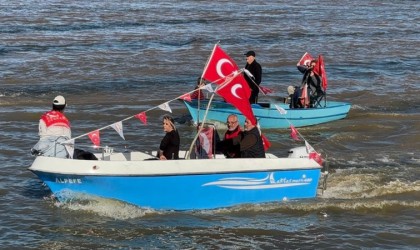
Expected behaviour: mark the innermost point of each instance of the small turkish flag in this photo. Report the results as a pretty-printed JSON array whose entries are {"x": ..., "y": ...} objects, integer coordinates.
[
  {"x": 266, "y": 142},
  {"x": 186, "y": 97},
  {"x": 94, "y": 137},
  {"x": 305, "y": 60},
  {"x": 294, "y": 133},
  {"x": 142, "y": 117}
]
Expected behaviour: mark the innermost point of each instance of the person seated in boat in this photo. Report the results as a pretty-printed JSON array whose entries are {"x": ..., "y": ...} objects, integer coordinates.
[
  {"x": 54, "y": 130},
  {"x": 312, "y": 80},
  {"x": 294, "y": 98},
  {"x": 169, "y": 146},
  {"x": 250, "y": 141},
  {"x": 198, "y": 93},
  {"x": 226, "y": 146}
]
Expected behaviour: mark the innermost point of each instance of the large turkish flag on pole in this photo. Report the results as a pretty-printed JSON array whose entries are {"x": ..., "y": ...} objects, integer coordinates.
[
  {"x": 320, "y": 70},
  {"x": 236, "y": 91},
  {"x": 219, "y": 66}
]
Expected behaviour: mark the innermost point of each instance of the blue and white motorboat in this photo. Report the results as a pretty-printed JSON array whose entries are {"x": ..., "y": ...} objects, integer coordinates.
[
  {"x": 185, "y": 184},
  {"x": 268, "y": 115}
]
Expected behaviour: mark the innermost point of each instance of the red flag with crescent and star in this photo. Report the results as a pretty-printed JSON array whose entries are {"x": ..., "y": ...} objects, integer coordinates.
[
  {"x": 266, "y": 142},
  {"x": 294, "y": 133},
  {"x": 219, "y": 66},
  {"x": 320, "y": 70},
  {"x": 186, "y": 97},
  {"x": 305, "y": 59},
  {"x": 142, "y": 117},
  {"x": 236, "y": 91},
  {"x": 94, "y": 137}
]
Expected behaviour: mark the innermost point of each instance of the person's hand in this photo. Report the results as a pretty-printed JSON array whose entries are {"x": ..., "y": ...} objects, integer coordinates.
[{"x": 162, "y": 157}]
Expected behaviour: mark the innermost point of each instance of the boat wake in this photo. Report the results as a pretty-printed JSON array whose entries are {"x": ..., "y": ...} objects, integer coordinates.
[{"x": 103, "y": 207}]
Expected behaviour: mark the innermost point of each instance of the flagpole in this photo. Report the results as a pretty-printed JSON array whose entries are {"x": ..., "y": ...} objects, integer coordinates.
[
  {"x": 201, "y": 77},
  {"x": 200, "y": 127},
  {"x": 227, "y": 80}
]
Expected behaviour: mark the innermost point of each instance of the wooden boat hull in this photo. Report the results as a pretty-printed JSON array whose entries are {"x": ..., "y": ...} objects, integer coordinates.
[
  {"x": 180, "y": 184},
  {"x": 267, "y": 114}
]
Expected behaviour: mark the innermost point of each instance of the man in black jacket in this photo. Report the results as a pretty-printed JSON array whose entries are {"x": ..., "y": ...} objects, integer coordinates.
[
  {"x": 250, "y": 141},
  {"x": 256, "y": 71}
]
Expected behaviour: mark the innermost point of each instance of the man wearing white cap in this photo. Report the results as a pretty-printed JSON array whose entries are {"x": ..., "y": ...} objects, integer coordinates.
[{"x": 54, "y": 127}]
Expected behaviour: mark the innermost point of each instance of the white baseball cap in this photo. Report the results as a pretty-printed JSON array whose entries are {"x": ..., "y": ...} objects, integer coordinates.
[{"x": 59, "y": 100}]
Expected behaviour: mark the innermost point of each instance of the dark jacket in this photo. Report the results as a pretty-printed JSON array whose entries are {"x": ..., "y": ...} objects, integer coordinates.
[
  {"x": 255, "y": 69},
  {"x": 314, "y": 81},
  {"x": 251, "y": 144},
  {"x": 170, "y": 145},
  {"x": 226, "y": 146}
]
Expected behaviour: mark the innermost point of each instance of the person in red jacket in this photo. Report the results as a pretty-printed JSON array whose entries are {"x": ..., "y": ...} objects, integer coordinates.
[
  {"x": 54, "y": 127},
  {"x": 226, "y": 146},
  {"x": 55, "y": 133}
]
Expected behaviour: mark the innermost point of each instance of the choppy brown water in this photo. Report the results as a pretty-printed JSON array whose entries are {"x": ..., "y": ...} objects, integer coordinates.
[{"x": 113, "y": 59}]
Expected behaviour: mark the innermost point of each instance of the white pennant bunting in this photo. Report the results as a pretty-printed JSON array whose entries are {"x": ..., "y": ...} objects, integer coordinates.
[
  {"x": 119, "y": 128},
  {"x": 309, "y": 148},
  {"x": 209, "y": 88},
  {"x": 70, "y": 148},
  {"x": 165, "y": 106},
  {"x": 280, "y": 109}
]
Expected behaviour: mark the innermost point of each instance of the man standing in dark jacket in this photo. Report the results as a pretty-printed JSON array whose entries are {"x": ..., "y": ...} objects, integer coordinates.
[{"x": 256, "y": 71}]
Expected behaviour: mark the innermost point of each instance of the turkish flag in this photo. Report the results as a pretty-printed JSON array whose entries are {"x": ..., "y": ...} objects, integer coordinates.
[
  {"x": 187, "y": 96},
  {"x": 313, "y": 154},
  {"x": 305, "y": 60},
  {"x": 236, "y": 91},
  {"x": 266, "y": 90},
  {"x": 94, "y": 137},
  {"x": 320, "y": 70},
  {"x": 294, "y": 133},
  {"x": 266, "y": 142},
  {"x": 206, "y": 141},
  {"x": 304, "y": 98},
  {"x": 219, "y": 66},
  {"x": 142, "y": 117}
]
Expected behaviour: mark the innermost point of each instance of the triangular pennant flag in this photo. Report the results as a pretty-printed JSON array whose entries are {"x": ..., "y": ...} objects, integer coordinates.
[
  {"x": 294, "y": 133},
  {"x": 119, "y": 128},
  {"x": 266, "y": 142},
  {"x": 281, "y": 110},
  {"x": 142, "y": 117},
  {"x": 309, "y": 148},
  {"x": 313, "y": 154},
  {"x": 165, "y": 106},
  {"x": 69, "y": 146},
  {"x": 186, "y": 97},
  {"x": 94, "y": 137},
  {"x": 266, "y": 90},
  {"x": 209, "y": 88}
]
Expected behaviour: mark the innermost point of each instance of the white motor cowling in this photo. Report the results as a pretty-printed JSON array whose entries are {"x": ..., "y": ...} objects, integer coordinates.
[{"x": 298, "y": 152}]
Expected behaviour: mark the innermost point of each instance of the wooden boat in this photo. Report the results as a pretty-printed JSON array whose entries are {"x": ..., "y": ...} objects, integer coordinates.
[{"x": 268, "y": 115}]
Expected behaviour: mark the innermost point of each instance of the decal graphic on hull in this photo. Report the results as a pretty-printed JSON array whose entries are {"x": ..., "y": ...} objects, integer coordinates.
[{"x": 268, "y": 182}]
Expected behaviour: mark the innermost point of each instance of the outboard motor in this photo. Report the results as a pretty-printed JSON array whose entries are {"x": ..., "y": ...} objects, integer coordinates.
[{"x": 298, "y": 152}]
